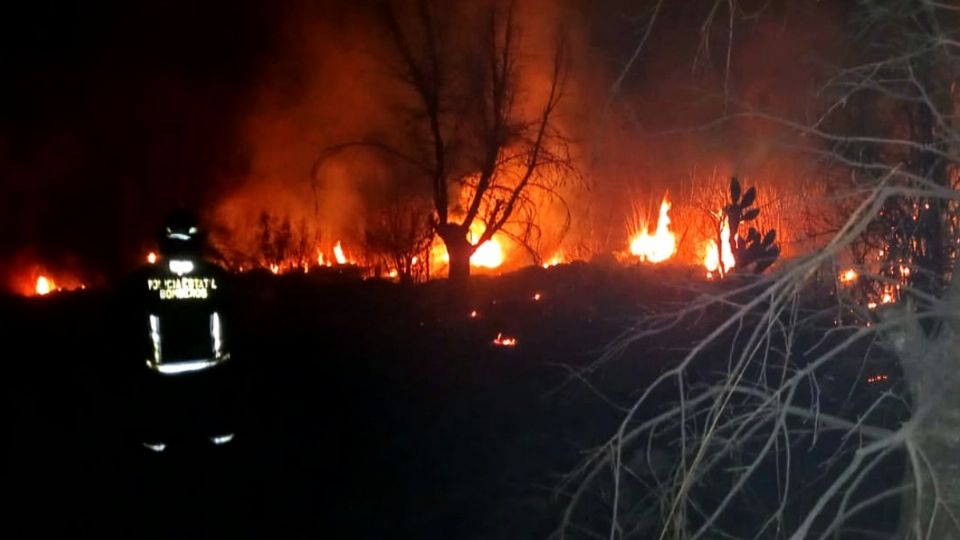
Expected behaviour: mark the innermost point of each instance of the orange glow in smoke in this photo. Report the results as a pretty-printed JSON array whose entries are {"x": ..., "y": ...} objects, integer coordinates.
[
  {"x": 152, "y": 258},
  {"x": 712, "y": 258},
  {"x": 44, "y": 286},
  {"x": 659, "y": 246},
  {"x": 848, "y": 275}
]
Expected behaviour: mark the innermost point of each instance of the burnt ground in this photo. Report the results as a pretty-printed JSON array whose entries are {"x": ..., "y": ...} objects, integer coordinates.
[{"x": 367, "y": 409}]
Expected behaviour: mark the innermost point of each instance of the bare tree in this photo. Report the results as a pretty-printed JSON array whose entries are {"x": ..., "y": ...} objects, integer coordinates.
[{"x": 487, "y": 154}]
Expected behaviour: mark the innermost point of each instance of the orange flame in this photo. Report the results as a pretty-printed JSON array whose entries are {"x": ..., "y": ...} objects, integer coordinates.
[
  {"x": 338, "y": 253},
  {"x": 152, "y": 257},
  {"x": 712, "y": 258},
  {"x": 659, "y": 246},
  {"x": 848, "y": 275},
  {"x": 501, "y": 341},
  {"x": 488, "y": 255},
  {"x": 45, "y": 286},
  {"x": 555, "y": 260}
]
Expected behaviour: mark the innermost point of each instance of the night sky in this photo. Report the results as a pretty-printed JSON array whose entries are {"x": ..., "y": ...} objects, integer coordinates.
[{"x": 113, "y": 112}]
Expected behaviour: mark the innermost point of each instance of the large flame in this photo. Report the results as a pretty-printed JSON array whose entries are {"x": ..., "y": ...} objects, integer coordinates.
[
  {"x": 713, "y": 257},
  {"x": 659, "y": 246},
  {"x": 338, "y": 253},
  {"x": 45, "y": 286},
  {"x": 489, "y": 254}
]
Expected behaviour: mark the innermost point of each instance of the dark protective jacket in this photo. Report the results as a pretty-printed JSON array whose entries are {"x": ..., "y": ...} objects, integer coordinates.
[
  {"x": 176, "y": 320},
  {"x": 184, "y": 317}
]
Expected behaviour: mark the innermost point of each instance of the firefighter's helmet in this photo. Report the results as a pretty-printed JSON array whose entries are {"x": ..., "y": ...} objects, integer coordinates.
[{"x": 180, "y": 235}]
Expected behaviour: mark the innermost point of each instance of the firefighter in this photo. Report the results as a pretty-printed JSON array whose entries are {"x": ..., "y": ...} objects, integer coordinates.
[{"x": 183, "y": 384}]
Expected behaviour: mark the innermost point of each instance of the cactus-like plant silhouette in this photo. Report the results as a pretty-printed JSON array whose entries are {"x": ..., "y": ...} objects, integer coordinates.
[{"x": 754, "y": 249}]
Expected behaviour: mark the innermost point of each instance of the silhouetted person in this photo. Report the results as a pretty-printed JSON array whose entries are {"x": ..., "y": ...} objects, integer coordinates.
[{"x": 182, "y": 387}]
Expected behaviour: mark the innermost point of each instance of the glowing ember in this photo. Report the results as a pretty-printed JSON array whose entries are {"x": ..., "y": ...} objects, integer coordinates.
[
  {"x": 712, "y": 258},
  {"x": 473, "y": 314},
  {"x": 887, "y": 298},
  {"x": 877, "y": 378},
  {"x": 275, "y": 268},
  {"x": 848, "y": 276},
  {"x": 45, "y": 285},
  {"x": 659, "y": 246},
  {"x": 338, "y": 253},
  {"x": 501, "y": 341},
  {"x": 537, "y": 297},
  {"x": 152, "y": 258},
  {"x": 393, "y": 273}
]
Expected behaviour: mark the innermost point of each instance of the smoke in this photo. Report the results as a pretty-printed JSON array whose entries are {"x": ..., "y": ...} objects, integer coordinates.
[
  {"x": 114, "y": 115},
  {"x": 335, "y": 82},
  {"x": 320, "y": 90},
  {"x": 659, "y": 131}
]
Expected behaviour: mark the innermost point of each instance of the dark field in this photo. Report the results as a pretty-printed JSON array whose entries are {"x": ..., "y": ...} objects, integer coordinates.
[{"x": 366, "y": 409}]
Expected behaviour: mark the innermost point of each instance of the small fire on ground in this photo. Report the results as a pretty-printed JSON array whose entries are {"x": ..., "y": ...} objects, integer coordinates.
[
  {"x": 44, "y": 284},
  {"x": 503, "y": 341}
]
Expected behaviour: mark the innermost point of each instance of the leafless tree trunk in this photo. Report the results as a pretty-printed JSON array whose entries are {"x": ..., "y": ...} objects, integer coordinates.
[{"x": 477, "y": 144}]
